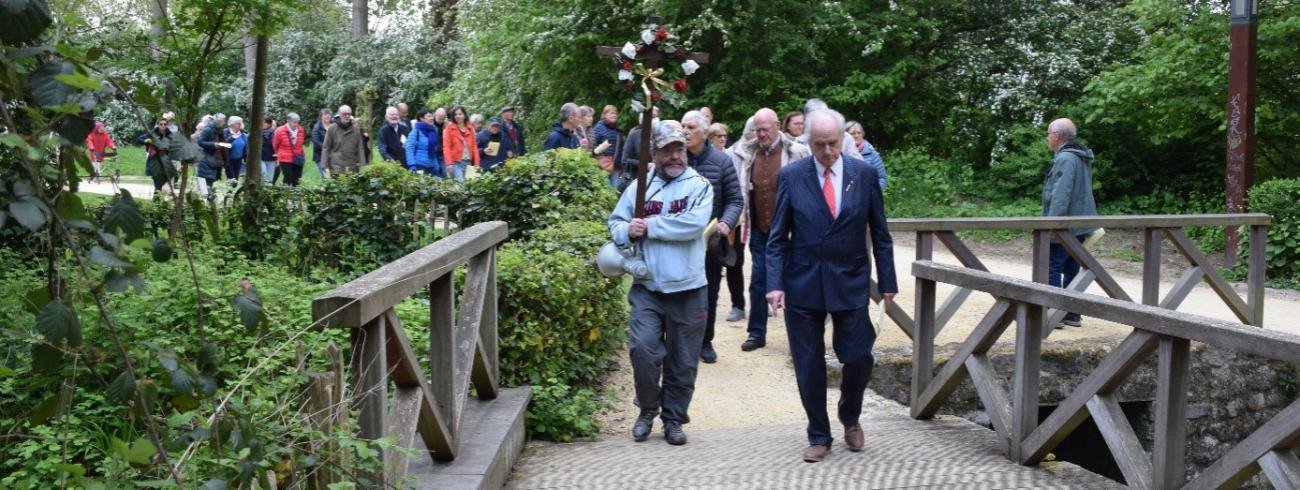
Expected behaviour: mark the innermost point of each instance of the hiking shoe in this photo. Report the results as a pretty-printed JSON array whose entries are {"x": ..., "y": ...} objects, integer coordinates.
[
  {"x": 737, "y": 314},
  {"x": 644, "y": 423},
  {"x": 1072, "y": 322},
  {"x": 708, "y": 355},
  {"x": 674, "y": 433},
  {"x": 753, "y": 343}
]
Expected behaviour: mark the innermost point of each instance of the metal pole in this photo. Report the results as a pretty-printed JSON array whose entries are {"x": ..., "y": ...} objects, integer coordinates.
[{"x": 1242, "y": 61}]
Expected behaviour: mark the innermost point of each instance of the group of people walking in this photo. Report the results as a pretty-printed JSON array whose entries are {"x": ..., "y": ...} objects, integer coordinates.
[
  {"x": 811, "y": 206},
  {"x": 435, "y": 142}
]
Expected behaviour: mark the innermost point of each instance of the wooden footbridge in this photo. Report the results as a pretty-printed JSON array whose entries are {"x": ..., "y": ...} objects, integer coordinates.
[{"x": 464, "y": 441}]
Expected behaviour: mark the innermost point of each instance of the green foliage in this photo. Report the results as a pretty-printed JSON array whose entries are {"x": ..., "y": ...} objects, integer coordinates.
[
  {"x": 579, "y": 238},
  {"x": 919, "y": 185},
  {"x": 538, "y": 190},
  {"x": 1280, "y": 199},
  {"x": 562, "y": 413}
]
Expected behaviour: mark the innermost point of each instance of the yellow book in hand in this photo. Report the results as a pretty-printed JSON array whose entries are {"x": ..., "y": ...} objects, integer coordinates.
[{"x": 493, "y": 148}]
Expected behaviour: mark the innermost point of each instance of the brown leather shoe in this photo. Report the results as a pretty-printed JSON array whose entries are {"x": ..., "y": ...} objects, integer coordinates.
[
  {"x": 854, "y": 438},
  {"x": 815, "y": 453}
]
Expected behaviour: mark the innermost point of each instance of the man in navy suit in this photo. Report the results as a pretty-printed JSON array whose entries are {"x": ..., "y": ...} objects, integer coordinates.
[{"x": 817, "y": 251}]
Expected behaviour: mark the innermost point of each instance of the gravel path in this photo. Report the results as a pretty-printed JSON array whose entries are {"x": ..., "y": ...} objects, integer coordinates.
[{"x": 749, "y": 389}]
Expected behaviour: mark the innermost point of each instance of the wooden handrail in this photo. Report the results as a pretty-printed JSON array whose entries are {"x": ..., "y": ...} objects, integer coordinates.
[
  {"x": 365, "y": 298},
  {"x": 1235, "y": 336},
  {"x": 462, "y": 346},
  {"x": 1157, "y": 330},
  {"x": 1059, "y": 223}
]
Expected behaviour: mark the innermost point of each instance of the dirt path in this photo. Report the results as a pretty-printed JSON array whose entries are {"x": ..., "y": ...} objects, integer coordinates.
[{"x": 750, "y": 389}]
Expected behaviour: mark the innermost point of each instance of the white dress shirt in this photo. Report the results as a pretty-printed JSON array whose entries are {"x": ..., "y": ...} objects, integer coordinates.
[{"x": 837, "y": 180}]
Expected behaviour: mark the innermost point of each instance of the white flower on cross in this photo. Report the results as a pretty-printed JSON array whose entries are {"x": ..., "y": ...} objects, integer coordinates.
[
  {"x": 624, "y": 75},
  {"x": 629, "y": 51},
  {"x": 690, "y": 66},
  {"x": 647, "y": 37}
]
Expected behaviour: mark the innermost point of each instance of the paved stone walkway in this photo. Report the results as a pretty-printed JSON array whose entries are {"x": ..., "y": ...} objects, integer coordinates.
[{"x": 948, "y": 453}]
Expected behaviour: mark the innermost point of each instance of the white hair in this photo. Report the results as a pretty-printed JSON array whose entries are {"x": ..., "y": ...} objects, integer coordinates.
[
  {"x": 567, "y": 111},
  {"x": 749, "y": 127},
  {"x": 345, "y": 106},
  {"x": 823, "y": 114},
  {"x": 219, "y": 117},
  {"x": 813, "y": 105},
  {"x": 293, "y": 117},
  {"x": 1064, "y": 127},
  {"x": 697, "y": 115},
  {"x": 235, "y": 120}
]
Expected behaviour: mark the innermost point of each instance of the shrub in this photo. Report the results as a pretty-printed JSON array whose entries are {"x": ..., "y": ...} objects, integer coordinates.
[
  {"x": 1280, "y": 199},
  {"x": 559, "y": 318},
  {"x": 582, "y": 239},
  {"x": 919, "y": 185},
  {"x": 539, "y": 190},
  {"x": 562, "y": 413}
]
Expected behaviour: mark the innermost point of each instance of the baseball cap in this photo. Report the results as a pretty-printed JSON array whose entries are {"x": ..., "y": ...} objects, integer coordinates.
[{"x": 668, "y": 132}]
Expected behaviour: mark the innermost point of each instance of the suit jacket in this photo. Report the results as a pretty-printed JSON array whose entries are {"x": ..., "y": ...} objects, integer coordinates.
[{"x": 821, "y": 263}]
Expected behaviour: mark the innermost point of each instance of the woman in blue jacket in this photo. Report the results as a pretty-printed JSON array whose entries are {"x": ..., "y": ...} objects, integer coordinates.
[{"x": 424, "y": 146}]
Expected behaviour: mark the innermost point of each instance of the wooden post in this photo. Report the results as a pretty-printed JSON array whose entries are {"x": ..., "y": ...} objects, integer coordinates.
[
  {"x": 1024, "y": 399},
  {"x": 1042, "y": 255},
  {"x": 1151, "y": 240},
  {"x": 923, "y": 343},
  {"x": 1168, "y": 453},
  {"x": 1243, "y": 58},
  {"x": 442, "y": 349},
  {"x": 1256, "y": 273},
  {"x": 370, "y": 385},
  {"x": 323, "y": 407}
]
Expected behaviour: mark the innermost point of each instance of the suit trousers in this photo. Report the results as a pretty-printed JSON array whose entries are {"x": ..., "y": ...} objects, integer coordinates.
[
  {"x": 665, "y": 338},
  {"x": 806, "y": 329}
]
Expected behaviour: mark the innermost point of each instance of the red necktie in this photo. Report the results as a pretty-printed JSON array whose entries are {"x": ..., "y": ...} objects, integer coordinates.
[{"x": 828, "y": 191}]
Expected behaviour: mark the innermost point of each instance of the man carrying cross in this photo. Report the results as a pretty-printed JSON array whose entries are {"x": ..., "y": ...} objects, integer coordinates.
[{"x": 669, "y": 303}]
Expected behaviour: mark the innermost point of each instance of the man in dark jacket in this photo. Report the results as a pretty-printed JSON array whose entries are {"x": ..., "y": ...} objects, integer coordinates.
[
  {"x": 514, "y": 131},
  {"x": 392, "y": 137},
  {"x": 270, "y": 170},
  {"x": 562, "y": 135},
  {"x": 318, "y": 138},
  {"x": 632, "y": 151},
  {"x": 728, "y": 202},
  {"x": 1067, "y": 191},
  {"x": 493, "y": 146}
]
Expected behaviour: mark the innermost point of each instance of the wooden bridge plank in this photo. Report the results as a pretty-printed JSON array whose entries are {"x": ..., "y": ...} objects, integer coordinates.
[
  {"x": 985, "y": 334},
  {"x": 370, "y": 384},
  {"x": 484, "y": 373},
  {"x": 960, "y": 250},
  {"x": 1216, "y": 281},
  {"x": 1242, "y": 461},
  {"x": 442, "y": 349},
  {"x": 466, "y": 333},
  {"x": 361, "y": 300},
  {"x": 403, "y": 418},
  {"x": 1065, "y": 223},
  {"x": 1123, "y": 443},
  {"x": 1071, "y": 412},
  {"x": 922, "y": 342},
  {"x": 1256, "y": 270},
  {"x": 1228, "y": 335},
  {"x": 1151, "y": 240}
]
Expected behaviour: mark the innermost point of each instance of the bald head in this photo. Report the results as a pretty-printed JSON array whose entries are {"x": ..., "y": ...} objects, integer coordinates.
[
  {"x": 767, "y": 125},
  {"x": 1060, "y": 132}
]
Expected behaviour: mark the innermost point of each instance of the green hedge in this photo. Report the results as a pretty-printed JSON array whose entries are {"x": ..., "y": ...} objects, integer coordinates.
[{"x": 1280, "y": 199}]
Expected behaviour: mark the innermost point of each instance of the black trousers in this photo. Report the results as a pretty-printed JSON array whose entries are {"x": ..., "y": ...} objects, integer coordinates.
[
  {"x": 736, "y": 274},
  {"x": 292, "y": 173}
]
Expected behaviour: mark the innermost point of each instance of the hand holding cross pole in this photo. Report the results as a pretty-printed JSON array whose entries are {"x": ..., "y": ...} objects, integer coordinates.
[{"x": 651, "y": 58}]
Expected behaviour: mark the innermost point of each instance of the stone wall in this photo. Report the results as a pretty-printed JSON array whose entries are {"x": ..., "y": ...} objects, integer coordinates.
[{"x": 1231, "y": 395}]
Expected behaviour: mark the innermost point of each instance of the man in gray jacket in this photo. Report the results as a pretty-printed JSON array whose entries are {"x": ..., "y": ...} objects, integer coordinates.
[
  {"x": 1067, "y": 191},
  {"x": 728, "y": 202}
]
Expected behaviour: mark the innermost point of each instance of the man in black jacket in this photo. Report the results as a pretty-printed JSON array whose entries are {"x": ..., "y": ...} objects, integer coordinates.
[
  {"x": 318, "y": 138},
  {"x": 392, "y": 137},
  {"x": 728, "y": 202}
]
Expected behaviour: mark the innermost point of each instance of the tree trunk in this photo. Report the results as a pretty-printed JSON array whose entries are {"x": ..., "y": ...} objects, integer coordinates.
[
  {"x": 253, "y": 158},
  {"x": 360, "y": 19},
  {"x": 444, "y": 20},
  {"x": 250, "y": 52},
  {"x": 158, "y": 8}
]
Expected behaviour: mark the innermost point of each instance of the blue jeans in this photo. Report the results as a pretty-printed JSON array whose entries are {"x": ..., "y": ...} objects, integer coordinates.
[
  {"x": 1061, "y": 269},
  {"x": 757, "y": 280},
  {"x": 458, "y": 170},
  {"x": 268, "y": 170}
]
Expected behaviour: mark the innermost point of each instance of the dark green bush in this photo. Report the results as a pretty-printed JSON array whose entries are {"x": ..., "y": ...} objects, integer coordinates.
[
  {"x": 538, "y": 190},
  {"x": 1280, "y": 199},
  {"x": 560, "y": 319},
  {"x": 560, "y": 412},
  {"x": 579, "y": 238},
  {"x": 919, "y": 185}
]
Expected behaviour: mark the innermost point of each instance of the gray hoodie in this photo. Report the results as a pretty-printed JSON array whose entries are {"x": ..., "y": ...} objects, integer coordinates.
[{"x": 1067, "y": 187}]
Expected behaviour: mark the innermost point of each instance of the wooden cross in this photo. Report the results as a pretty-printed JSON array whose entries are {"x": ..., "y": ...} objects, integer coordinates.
[{"x": 651, "y": 58}]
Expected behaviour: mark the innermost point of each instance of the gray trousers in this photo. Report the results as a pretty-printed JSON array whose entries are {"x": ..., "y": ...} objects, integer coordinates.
[{"x": 666, "y": 335}]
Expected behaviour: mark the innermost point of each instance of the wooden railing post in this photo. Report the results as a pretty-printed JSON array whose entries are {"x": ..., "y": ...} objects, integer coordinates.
[
  {"x": 923, "y": 335},
  {"x": 1151, "y": 240},
  {"x": 370, "y": 387},
  {"x": 1024, "y": 399},
  {"x": 1256, "y": 272},
  {"x": 1042, "y": 255},
  {"x": 1168, "y": 454},
  {"x": 442, "y": 349}
]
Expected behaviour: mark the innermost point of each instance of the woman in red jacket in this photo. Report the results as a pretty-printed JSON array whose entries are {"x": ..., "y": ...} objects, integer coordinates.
[
  {"x": 288, "y": 149},
  {"x": 459, "y": 144},
  {"x": 99, "y": 142}
]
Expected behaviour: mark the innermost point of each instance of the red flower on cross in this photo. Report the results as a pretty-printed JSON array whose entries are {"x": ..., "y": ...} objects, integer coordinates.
[
  {"x": 661, "y": 34},
  {"x": 679, "y": 85}
]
